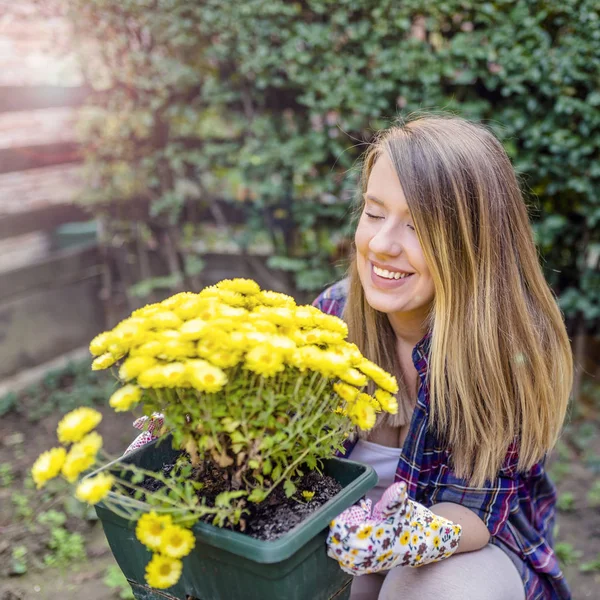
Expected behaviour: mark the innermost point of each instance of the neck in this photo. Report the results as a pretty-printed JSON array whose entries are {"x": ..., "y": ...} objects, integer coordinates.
[{"x": 409, "y": 329}]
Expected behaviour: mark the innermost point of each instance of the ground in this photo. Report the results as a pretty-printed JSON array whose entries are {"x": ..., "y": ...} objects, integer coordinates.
[{"x": 26, "y": 429}]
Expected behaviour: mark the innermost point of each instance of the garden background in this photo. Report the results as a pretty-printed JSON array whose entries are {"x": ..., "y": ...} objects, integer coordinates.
[{"x": 153, "y": 146}]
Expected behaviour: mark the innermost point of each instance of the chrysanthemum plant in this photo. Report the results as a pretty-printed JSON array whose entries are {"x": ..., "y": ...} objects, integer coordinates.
[{"x": 246, "y": 382}]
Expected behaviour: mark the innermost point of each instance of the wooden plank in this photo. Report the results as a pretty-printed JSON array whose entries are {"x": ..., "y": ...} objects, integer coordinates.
[
  {"x": 60, "y": 268},
  {"x": 34, "y": 188},
  {"x": 43, "y": 155},
  {"x": 33, "y": 97},
  {"x": 36, "y": 127},
  {"x": 44, "y": 218}
]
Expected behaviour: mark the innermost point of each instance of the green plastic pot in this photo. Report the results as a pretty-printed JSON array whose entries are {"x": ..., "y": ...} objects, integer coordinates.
[{"x": 226, "y": 565}]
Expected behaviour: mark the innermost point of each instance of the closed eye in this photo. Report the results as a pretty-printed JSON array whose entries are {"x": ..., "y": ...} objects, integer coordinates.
[{"x": 372, "y": 216}]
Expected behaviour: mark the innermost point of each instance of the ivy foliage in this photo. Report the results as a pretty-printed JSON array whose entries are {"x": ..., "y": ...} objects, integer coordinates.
[{"x": 269, "y": 103}]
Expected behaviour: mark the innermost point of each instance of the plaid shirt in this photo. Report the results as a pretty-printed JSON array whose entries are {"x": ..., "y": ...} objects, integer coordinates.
[{"x": 517, "y": 508}]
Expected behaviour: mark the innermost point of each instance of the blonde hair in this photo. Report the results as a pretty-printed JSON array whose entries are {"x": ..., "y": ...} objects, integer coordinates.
[{"x": 500, "y": 363}]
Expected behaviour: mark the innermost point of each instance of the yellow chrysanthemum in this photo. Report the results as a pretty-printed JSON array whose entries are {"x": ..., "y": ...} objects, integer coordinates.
[
  {"x": 192, "y": 329},
  {"x": 303, "y": 317},
  {"x": 264, "y": 360},
  {"x": 248, "y": 287},
  {"x": 176, "y": 541},
  {"x": 345, "y": 392},
  {"x": 147, "y": 311},
  {"x": 332, "y": 364},
  {"x": 129, "y": 332},
  {"x": 205, "y": 377},
  {"x": 269, "y": 298},
  {"x": 189, "y": 308},
  {"x": 225, "y": 359},
  {"x": 175, "y": 350},
  {"x": 278, "y": 315},
  {"x": 75, "y": 424},
  {"x": 99, "y": 345},
  {"x": 94, "y": 489},
  {"x": 150, "y": 348},
  {"x": 163, "y": 572},
  {"x": 231, "y": 298},
  {"x": 165, "y": 320},
  {"x": 81, "y": 456},
  {"x": 331, "y": 323},
  {"x": 48, "y": 466},
  {"x": 282, "y": 344},
  {"x": 125, "y": 398},
  {"x": 163, "y": 375},
  {"x": 134, "y": 365},
  {"x": 149, "y": 529},
  {"x": 176, "y": 300},
  {"x": 387, "y": 402},
  {"x": 104, "y": 361},
  {"x": 382, "y": 378},
  {"x": 258, "y": 323},
  {"x": 362, "y": 413},
  {"x": 353, "y": 377}
]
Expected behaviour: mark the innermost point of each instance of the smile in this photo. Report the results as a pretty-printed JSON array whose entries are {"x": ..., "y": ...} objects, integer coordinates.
[{"x": 390, "y": 274}]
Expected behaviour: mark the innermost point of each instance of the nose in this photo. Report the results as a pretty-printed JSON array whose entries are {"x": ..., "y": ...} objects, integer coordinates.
[{"x": 385, "y": 242}]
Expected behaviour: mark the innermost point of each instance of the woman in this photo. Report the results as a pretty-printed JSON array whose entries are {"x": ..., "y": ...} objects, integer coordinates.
[{"x": 445, "y": 290}]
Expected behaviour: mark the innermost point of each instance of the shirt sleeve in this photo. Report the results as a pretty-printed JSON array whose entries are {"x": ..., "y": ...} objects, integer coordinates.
[
  {"x": 492, "y": 503},
  {"x": 332, "y": 300}
]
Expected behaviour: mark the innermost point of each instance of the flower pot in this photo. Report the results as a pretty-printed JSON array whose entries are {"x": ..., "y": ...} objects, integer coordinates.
[{"x": 227, "y": 565}]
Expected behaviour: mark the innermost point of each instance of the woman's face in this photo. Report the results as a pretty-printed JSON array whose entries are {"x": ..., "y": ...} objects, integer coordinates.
[{"x": 390, "y": 261}]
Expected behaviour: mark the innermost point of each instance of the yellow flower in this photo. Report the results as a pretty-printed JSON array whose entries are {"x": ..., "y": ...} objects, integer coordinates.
[
  {"x": 404, "y": 538},
  {"x": 248, "y": 287},
  {"x": 150, "y": 348},
  {"x": 436, "y": 541},
  {"x": 147, "y": 311},
  {"x": 176, "y": 542},
  {"x": 163, "y": 572},
  {"x": 149, "y": 529},
  {"x": 99, "y": 345},
  {"x": 104, "y": 361},
  {"x": 384, "y": 556},
  {"x": 176, "y": 300},
  {"x": 387, "y": 402},
  {"x": 225, "y": 358},
  {"x": 364, "y": 532},
  {"x": 75, "y": 424},
  {"x": 48, "y": 466},
  {"x": 434, "y": 525},
  {"x": 205, "y": 377},
  {"x": 362, "y": 413},
  {"x": 163, "y": 375},
  {"x": 231, "y": 298},
  {"x": 278, "y": 315},
  {"x": 189, "y": 308},
  {"x": 353, "y": 377},
  {"x": 165, "y": 320},
  {"x": 264, "y": 360},
  {"x": 193, "y": 329},
  {"x": 81, "y": 456},
  {"x": 415, "y": 539},
  {"x": 331, "y": 323},
  {"x": 123, "y": 399},
  {"x": 129, "y": 332},
  {"x": 379, "y": 532},
  {"x": 382, "y": 378},
  {"x": 94, "y": 489},
  {"x": 345, "y": 392},
  {"x": 134, "y": 365},
  {"x": 269, "y": 298},
  {"x": 174, "y": 349},
  {"x": 303, "y": 317},
  {"x": 308, "y": 495}
]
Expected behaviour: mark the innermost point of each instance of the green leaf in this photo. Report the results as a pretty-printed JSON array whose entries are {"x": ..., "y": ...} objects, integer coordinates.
[{"x": 289, "y": 488}]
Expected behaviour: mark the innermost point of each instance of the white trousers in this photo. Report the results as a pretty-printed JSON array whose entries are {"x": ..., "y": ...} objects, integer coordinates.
[{"x": 486, "y": 574}]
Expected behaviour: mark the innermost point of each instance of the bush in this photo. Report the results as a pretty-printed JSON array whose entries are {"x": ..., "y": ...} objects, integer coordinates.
[{"x": 268, "y": 103}]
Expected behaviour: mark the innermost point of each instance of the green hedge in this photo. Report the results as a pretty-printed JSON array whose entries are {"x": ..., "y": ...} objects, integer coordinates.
[{"x": 268, "y": 103}]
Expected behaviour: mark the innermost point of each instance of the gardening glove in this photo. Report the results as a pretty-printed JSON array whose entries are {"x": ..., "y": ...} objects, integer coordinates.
[
  {"x": 149, "y": 425},
  {"x": 398, "y": 532}
]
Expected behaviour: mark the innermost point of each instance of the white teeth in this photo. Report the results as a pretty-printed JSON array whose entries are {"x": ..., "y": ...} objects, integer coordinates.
[{"x": 389, "y": 275}]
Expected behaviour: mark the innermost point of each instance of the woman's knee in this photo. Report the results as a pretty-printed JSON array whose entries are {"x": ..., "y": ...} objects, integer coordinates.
[{"x": 486, "y": 574}]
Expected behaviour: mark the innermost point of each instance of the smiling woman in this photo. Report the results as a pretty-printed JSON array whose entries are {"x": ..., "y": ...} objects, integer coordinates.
[{"x": 445, "y": 291}]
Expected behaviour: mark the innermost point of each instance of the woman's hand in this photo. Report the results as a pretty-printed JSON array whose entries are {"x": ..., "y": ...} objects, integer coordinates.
[{"x": 398, "y": 532}]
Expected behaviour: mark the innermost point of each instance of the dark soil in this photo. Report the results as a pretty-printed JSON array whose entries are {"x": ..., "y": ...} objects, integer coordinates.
[{"x": 278, "y": 514}]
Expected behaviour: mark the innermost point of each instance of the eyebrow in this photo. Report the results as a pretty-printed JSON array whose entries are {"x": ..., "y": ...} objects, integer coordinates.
[{"x": 380, "y": 202}]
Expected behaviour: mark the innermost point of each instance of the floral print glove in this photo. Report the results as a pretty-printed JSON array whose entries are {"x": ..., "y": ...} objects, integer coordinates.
[
  {"x": 399, "y": 532},
  {"x": 150, "y": 426}
]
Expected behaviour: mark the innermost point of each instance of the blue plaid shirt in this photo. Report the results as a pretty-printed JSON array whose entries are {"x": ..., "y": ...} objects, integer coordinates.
[{"x": 517, "y": 508}]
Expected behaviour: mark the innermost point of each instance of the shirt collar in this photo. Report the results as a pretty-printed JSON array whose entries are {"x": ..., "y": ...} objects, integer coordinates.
[{"x": 420, "y": 353}]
